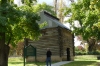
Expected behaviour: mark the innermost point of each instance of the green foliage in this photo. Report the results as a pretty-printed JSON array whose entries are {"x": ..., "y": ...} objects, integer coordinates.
[
  {"x": 87, "y": 17},
  {"x": 21, "y": 22},
  {"x": 18, "y": 23},
  {"x": 28, "y": 1},
  {"x": 81, "y": 51},
  {"x": 45, "y": 7},
  {"x": 94, "y": 53}
]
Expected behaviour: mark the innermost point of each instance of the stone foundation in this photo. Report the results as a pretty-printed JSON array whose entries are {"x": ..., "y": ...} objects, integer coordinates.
[{"x": 43, "y": 58}]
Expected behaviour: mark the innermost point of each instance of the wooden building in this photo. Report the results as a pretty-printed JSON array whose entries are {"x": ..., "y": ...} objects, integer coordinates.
[{"x": 55, "y": 36}]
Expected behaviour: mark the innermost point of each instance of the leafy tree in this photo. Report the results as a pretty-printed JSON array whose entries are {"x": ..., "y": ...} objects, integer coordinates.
[
  {"x": 16, "y": 23},
  {"x": 36, "y": 9},
  {"x": 86, "y": 14},
  {"x": 40, "y": 7}
]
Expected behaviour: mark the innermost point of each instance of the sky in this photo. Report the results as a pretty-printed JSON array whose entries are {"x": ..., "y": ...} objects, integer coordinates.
[
  {"x": 18, "y": 2},
  {"x": 47, "y": 1},
  {"x": 39, "y": 1},
  {"x": 50, "y": 2}
]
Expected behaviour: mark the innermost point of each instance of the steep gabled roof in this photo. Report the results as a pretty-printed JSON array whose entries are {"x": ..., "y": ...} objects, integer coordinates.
[
  {"x": 51, "y": 16},
  {"x": 47, "y": 16}
]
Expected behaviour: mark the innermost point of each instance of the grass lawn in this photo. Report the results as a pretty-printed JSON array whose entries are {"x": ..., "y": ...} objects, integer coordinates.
[
  {"x": 18, "y": 61},
  {"x": 84, "y": 60}
]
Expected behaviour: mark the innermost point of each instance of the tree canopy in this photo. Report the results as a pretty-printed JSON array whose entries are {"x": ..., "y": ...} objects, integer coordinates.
[
  {"x": 86, "y": 14},
  {"x": 20, "y": 22},
  {"x": 17, "y": 23}
]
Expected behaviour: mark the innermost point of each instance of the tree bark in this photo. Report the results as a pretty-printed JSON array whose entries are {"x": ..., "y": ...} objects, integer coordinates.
[
  {"x": 4, "y": 56},
  {"x": 2, "y": 43},
  {"x": 4, "y": 51},
  {"x": 55, "y": 6}
]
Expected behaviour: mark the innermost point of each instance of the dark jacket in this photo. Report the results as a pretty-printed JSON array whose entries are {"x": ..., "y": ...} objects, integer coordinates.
[{"x": 49, "y": 53}]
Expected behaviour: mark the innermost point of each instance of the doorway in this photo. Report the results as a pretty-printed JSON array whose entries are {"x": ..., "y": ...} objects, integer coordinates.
[{"x": 68, "y": 54}]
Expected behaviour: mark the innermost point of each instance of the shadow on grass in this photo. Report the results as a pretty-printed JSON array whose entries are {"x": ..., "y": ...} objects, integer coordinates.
[
  {"x": 82, "y": 63},
  {"x": 27, "y": 63},
  {"x": 37, "y": 63},
  {"x": 15, "y": 62}
]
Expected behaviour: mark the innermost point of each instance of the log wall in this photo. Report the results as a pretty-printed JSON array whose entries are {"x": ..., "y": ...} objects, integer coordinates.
[
  {"x": 67, "y": 42},
  {"x": 57, "y": 39}
]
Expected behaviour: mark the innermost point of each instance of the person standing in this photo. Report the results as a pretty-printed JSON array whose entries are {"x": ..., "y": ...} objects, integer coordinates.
[{"x": 48, "y": 59}]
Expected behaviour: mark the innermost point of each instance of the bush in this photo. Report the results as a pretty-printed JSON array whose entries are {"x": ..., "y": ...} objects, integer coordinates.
[
  {"x": 18, "y": 50},
  {"x": 94, "y": 53},
  {"x": 80, "y": 53}
]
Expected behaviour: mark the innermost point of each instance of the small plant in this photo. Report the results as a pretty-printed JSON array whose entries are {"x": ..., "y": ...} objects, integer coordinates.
[
  {"x": 79, "y": 50},
  {"x": 94, "y": 53}
]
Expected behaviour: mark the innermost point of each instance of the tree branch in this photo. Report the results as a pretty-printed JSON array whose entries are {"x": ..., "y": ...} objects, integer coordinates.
[{"x": 9, "y": 39}]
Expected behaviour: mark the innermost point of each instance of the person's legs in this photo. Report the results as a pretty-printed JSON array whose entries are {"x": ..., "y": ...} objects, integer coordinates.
[
  {"x": 50, "y": 61},
  {"x": 47, "y": 61}
]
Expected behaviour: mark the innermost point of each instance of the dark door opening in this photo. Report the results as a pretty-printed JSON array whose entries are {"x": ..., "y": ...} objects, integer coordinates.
[{"x": 68, "y": 54}]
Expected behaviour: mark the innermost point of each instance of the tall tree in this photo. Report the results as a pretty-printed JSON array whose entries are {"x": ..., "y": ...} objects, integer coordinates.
[
  {"x": 86, "y": 14},
  {"x": 16, "y": 23},
  {"x": 59, "y": 6}
]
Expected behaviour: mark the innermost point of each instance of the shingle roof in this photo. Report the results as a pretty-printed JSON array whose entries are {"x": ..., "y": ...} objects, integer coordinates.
[{"x": 55, "y": 20}]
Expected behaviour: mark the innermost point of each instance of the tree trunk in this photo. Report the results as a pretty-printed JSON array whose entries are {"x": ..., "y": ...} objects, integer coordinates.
[
  {"x": 55, "y": 6},
  {"x": 91, "y": 45},
  {"x": 4, "y": 56},
  {"x": 4, "y": 51}
]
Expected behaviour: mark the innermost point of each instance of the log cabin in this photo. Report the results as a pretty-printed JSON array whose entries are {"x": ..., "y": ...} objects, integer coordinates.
[{"x": 55, "y": 36}]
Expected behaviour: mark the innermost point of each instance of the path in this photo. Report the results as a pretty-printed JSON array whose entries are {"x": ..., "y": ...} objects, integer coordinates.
[{"x": 61, "y": 63}]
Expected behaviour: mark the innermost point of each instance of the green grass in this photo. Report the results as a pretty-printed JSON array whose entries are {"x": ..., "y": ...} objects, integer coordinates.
[
  {"x": 82, "y": 63},
  {"x": 18, "y": 61},
  {"x": 84, "y": 60}
]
